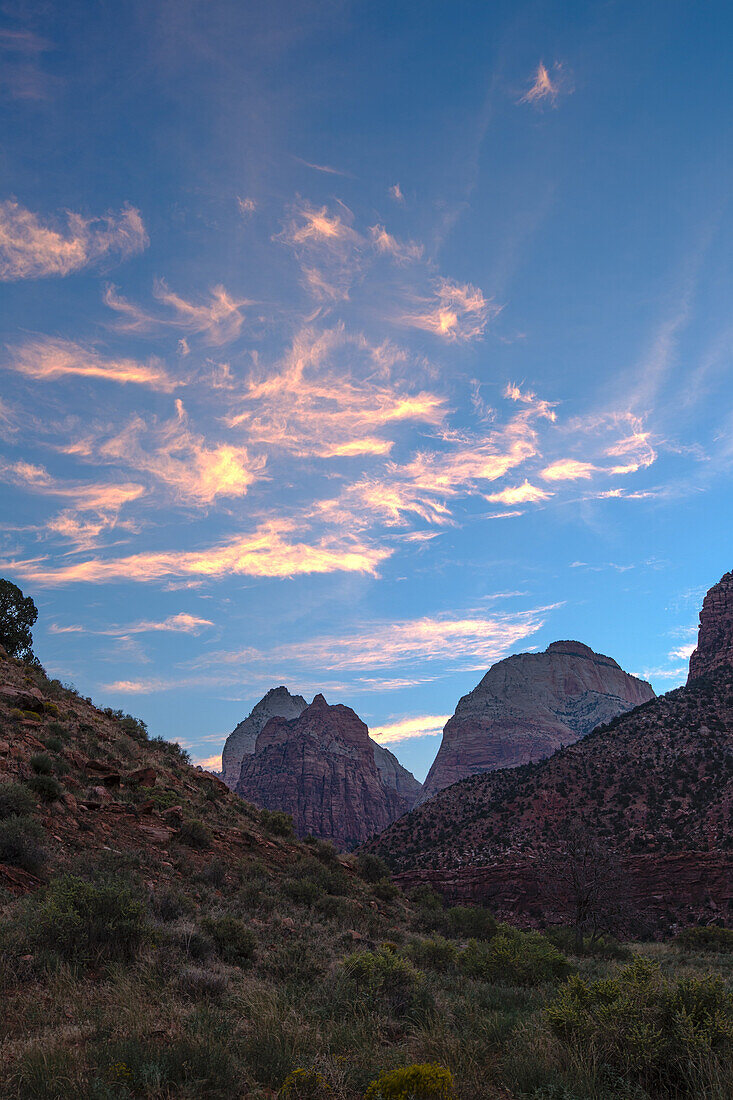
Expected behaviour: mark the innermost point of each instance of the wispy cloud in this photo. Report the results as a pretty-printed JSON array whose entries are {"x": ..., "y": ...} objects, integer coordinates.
[
  {"x": 46, "y": 359},
  {"x": 181, "y": 623},
  {"x": 325, "y": 168},
  {"x": 403, "y": 729},
  {"x": 402, "y": 252},
  {"x": 218, "y": 320},
  {"x": 331, "y": 396},
  {"x": 456, "y": 312},
  {"x": 174, "y": 456},
  {"x": 519, "y": 494},
  {"x": 268, "y": 552},
  {"x": 31, "y": 248},
  {"x": 543, "y": 87},
  {"x": 568, "y": 469},
  {"x": 395, "y": 192}
]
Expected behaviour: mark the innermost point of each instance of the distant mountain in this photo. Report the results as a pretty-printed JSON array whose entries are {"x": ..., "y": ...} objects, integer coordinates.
[
  {"x": 655, "y": 785},
  {"x": 277, "y": 703},
  {"x": 323, "y": 768},
  {"x": 529, "y": 705}
]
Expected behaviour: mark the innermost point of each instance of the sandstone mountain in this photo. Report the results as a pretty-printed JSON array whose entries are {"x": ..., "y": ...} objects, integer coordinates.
[
  {"x": 323, "y": 769},
  {"x": 655, "y": 784},
  {"x": 277, "y": 703},
  {"x": 529, "y": 705},
  {"x": 715, "y": 639}
]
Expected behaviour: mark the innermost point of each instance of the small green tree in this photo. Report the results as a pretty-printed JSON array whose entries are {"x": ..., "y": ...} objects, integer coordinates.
[{"x": 18, "y": 613}]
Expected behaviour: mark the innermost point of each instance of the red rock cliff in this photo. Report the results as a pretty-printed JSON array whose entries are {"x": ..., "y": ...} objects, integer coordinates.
[{"x": 715, "y": 637}]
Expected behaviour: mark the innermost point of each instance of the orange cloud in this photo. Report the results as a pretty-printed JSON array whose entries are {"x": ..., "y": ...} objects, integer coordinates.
[
  {"x": 395, "y": 192},
  {"x": 402, "y": 252},
  {"x": 457, "y": 312},
  {"x": 267, "y": 552},
  {"x": 424, "y": 725},
  {"x": 218, "y": 321},
  {"x": 519, "y": 494},
  {"x": 542, "y": 87},
  {"x": 46, "y": 359},
  {"x": 316, "y": 405},
  {"x": 182, "y": 623},
  {"x": 568, "y": 469},
  {"x": 177, "y": 458},
  {"x": 30, "y": 249}
]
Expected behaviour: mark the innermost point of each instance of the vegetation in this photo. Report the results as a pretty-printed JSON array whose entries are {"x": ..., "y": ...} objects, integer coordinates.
[
  {"x": 154, "y": 954},
  {"x": 18, "y": 614}
]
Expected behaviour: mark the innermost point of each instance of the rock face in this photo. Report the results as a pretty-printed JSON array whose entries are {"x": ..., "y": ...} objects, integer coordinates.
[
  {"x": 715, "y": 637},
  {"x": 277, "y": 703},
  {"x": 654, "y": 785},
  {"x": 529, "y": 705},
  {"x": 321, "y": 767}
]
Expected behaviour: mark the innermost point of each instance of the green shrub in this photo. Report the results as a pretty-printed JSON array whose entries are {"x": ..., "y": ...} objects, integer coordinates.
[
  {"x": 200, "y": 984},
  {"x": 54, "y": 744},
  {"x": 710, "y": 939},
  {"x": 435, "y": 953},
  {"x": 276, "y": 822},
  {"x": 20, "y": 846},
  {"x": 42, "y": 763},
  {"x": 466, "y": 922},
  {"x": 385, "y": 890},
  {"x": 665, "y": 1034},
  {"x": 234, "y": 942},
  {"x": 310, "y": 879},
  {"x": 514, "y": 958},
  {"x": 87, "y": 922},
  {"x": 424, "y": 1082},
  {"x": 195, "y": 834},
  {"x": 382, "y": 978},
  {"x": 15, "y": 801},
  {"x": 602, "y": 947},
  {"x": 169, "y": 904},
  {"x": 46, "y": 787},
  {"x": 371, "y": 868},
  {"x": 304, "y": 1084}
]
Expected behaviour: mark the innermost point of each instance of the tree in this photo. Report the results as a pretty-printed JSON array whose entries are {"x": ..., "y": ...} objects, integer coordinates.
[
  {"x": 583, "y": 877},
  {"x": 18, "y": 613}
]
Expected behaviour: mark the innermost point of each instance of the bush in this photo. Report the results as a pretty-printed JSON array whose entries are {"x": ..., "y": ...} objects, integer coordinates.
[
  {"x": 195, "y": 834},
  {"x": 433, "y": 954},
  {"x": 371, "y": 868},
  {"x": 425, "y": 1082},
  {"x": 304, "y": 1084},
  {"x": 234, "y": 942},
  {"x": 385, "y": 890},
  {"x": 20, "y": 846},
  {"x": 310, "y": 880},
  {"x": 54, "y": 744},
  {"x": 46, "y": 787},
  {"x": 665, "y": 1034},
  {"x": 15, "y": 801},
  {"x": 42, "y": 763},
  {"x": 87, "y": 922},
  {"x": 514, "y": 958},
  {"x": 276, "y": 822},
  {"x": 466, "y": 922},
  {"x": 170, "y": 904},
  {"x": 382, "y": 978},
  {"x": 710, "y": 939},
  {"x": 602, "y": 947}
]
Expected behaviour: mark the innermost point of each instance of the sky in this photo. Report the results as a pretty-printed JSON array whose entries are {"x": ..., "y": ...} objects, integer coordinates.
[{"x": 355, "y": 346}]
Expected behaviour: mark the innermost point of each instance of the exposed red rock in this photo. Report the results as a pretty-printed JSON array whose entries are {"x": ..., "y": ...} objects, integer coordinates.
[
  {"x": 715, "y": 637},
  {"x": 320, "y": 767},
  {"x": 529, "y": 705},
  {"x": 277, "y": 703},
  {"x": 655, "y": 785}
]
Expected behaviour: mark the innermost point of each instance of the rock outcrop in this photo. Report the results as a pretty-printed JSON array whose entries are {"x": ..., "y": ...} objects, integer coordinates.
[
  {"x": 715, "y": 638},
  {"x": 277, "y": 703},
  {"x": 323, "y": 769},
  {"x": 529, "y": 705},
  {"x": 654, "y": 785}
]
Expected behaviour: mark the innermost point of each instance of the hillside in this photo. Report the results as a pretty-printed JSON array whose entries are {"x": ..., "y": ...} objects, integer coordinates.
[{"x": 161, "y": 938}]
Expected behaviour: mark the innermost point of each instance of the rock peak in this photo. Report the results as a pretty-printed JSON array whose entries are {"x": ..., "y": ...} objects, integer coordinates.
[
  {"x": 276, "y": 703},
  {"x": 319, "y": 702},
  {"x": 715, "y": 636}
]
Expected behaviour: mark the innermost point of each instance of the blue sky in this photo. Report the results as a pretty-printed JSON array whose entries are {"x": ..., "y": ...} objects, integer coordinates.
[{"x": 355, "y": 346}]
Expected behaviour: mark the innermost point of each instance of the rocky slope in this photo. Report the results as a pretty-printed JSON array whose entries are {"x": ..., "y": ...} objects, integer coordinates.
[
  {"x": 655, "y": 784},
  {"x": 277, "y": 703},
  {"x": 529, "y": 705},
  {"x": 323, "y": 769}
]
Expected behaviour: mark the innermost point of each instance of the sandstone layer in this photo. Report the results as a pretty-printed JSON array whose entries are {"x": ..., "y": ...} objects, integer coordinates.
[
  {"x": 323, "y": 769},
  {"x": 277, "y": 703},
  {"x": 715, "y": 638},
  {"x": 529, "y": 705}
]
